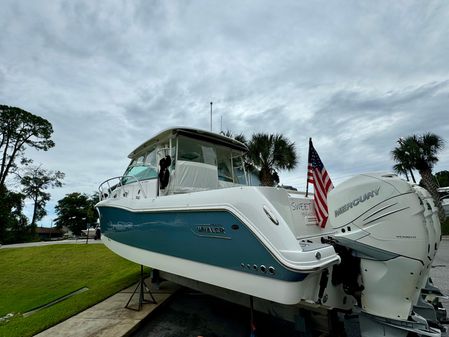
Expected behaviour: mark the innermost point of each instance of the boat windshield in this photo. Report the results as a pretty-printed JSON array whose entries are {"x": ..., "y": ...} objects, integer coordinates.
[
  {"x": 224, "y": 164},
  {"x": 141, "y": 168},
  {"x": 239, "y": 171}
]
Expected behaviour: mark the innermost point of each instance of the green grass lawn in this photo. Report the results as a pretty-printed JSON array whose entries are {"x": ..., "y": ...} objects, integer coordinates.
[{"x": 32, "y": 277}]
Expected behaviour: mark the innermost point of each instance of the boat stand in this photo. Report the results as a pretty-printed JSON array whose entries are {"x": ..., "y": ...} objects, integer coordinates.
[
  {"x": 143, "y": 288},
  {"x": 253, "y": 324}
]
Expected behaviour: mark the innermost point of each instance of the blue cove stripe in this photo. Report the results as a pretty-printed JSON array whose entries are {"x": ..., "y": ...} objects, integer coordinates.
[{"x": 212, "y": 237}]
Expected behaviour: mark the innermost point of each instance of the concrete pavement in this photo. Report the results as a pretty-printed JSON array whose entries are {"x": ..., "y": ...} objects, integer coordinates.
[{"x": 110, "y": 318}]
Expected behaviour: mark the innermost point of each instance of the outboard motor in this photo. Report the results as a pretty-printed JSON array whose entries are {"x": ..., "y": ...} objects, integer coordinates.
[{"x": 393, "y": 229}]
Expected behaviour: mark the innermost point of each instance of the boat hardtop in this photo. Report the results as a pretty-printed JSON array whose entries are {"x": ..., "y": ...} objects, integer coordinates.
[{"x": 190, "y": 132}]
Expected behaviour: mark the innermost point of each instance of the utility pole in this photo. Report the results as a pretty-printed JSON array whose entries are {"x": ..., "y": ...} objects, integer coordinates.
[{"x": 87, "y": 226}]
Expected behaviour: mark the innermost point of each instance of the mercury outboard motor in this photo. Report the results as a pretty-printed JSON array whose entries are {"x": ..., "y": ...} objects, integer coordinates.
[{"x": 393, "y": 228}]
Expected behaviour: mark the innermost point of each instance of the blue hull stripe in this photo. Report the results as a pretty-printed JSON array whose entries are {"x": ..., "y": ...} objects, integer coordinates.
[{"x": 212, "y": 237}]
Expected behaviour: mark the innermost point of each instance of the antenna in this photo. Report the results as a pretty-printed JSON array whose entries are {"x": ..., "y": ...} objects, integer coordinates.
[
  {"x": 221, "y": 123},
  {"x": 211, "y": 115}
]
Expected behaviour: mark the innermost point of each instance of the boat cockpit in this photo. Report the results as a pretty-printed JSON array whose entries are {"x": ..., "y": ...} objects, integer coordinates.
[{"x": 180, "y": 160}]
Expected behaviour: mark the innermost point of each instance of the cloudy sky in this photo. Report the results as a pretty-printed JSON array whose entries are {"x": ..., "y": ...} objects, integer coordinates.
[{"x": 353, "y": 75}]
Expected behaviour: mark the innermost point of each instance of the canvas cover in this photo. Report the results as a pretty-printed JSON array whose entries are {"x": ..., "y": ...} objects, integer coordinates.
[{"x": 192, "y": 177}]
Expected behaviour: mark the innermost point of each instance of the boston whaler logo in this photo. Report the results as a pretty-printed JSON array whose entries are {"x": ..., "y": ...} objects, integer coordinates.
[
  {"x": 357, "y": 201},
  {"x": 210, "y": 230}
]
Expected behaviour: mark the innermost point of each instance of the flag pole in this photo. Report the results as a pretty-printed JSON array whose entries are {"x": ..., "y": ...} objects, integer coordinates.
[{"x": 308, "y": 162}]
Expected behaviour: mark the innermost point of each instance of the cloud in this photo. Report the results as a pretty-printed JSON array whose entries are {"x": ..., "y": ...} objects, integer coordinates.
[{"x": 354, "y": 76}]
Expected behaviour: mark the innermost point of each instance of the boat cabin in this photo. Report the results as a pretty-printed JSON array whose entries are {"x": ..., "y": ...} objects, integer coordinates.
[{"x": 180, "y": 160}]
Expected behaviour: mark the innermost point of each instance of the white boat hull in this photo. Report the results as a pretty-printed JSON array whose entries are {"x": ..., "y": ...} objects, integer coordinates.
[{"x": 266, "y": 288}]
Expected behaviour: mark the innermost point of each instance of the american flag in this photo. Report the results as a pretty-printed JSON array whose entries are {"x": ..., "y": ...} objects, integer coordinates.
[{"x": 318, "y": 177}]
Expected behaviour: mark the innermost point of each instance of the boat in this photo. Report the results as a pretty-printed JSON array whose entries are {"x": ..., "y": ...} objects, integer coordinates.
[
  {"x": 91, "y": 233},
  {"x": 444, "y": 199},
  {"x": 185, "y": 205}
]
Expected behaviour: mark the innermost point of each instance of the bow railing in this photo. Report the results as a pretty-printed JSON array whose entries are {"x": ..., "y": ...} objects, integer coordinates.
[{"x": 108, "y": 189}]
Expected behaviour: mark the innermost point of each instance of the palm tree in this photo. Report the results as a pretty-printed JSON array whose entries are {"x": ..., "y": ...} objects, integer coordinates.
[
  {"x": 401, "y": 155},
  {"x": 400, "y": 169},
  {"x": 270, "y": 153},
  {"x": 420, "y": 153}
]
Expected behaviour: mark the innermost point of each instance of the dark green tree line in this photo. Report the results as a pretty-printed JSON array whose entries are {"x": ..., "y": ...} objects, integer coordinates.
[
  {"x": 76, "y": 211},
  {"x": 21, "y": 130},
  {"x": 442, "y": 178}
]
